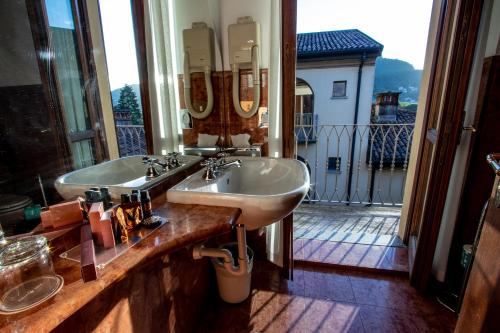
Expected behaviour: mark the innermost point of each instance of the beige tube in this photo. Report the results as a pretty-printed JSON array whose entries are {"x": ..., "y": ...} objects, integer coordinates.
[
  {"x": 256, "y": 86},
  {"x": 187, "y": 91}
]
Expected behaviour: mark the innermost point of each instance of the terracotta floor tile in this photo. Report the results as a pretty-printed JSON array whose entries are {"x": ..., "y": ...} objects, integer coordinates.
[
  {"x": 349, "y": 254},
  {"x": 328, "y": 300},
  {"x": 381, "y": 319},
  {"x": 331, "y": 316},
  {"x": 327, "y": 285}
]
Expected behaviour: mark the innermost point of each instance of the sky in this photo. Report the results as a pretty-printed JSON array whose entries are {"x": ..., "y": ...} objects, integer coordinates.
[
  {"x": 119, "y": 42},
  {"x": 400, "y": 25}
]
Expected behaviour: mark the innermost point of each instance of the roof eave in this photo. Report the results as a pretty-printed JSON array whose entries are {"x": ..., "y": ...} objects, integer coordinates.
[{"x": 322, "y": 55}]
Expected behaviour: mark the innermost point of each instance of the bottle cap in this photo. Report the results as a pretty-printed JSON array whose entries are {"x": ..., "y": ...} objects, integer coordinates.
[
  {"x": 134, "y": 197},
  {"x": 104, "y": 191},
  {"x": 125, "y": 197},
  {"x": 145, "y": 195},
  {"x": 95, "y": 196},
  {"x": 94, "y": 189},
  {"x": 88, "y": 196}
]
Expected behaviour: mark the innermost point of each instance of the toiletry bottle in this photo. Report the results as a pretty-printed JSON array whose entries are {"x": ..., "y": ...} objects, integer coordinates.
[
  {"x": 149, "y": 220},
  {"x": 106, "y": 197},
  {"x": 147, "y": 210},
  {"x": 88, "y": 199},
  {"x": 128, "y": 211},
  {"x": 137, "y": 208}
]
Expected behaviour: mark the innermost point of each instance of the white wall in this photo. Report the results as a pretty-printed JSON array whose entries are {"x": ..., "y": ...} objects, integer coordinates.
[
  {"x": 18, "y": 65},
  {"x": 260, "y": 11},
  {"x": 340, "y": 110},
  {"x": 486, "y": 46},
  {"x": 187, "y": 12}
]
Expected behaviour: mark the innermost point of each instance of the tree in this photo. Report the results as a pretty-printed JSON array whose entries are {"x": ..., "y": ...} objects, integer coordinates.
[{"x": 128, "y": 102}]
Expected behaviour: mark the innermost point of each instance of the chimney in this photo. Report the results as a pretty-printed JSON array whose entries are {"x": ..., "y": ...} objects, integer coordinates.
[{"x": 386, "y": 106}]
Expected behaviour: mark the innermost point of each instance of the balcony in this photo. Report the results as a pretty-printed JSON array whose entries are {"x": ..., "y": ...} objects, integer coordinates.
[
  {"x": 358, "y": 175},
  {"x": 355, "y": 164},
  {"x": 306, "y": 128},
  {"x": 131, "y": 140}
]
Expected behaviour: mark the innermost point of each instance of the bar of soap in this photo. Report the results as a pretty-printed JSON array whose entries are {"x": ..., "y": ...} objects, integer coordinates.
[
  {"x": 87, "y": 254},
  {"x": 95, "y": 213},
  {"x": 46, "y": 218},
  {"x": 106, "y": 226},
  {"x": 66, "y": 213}
]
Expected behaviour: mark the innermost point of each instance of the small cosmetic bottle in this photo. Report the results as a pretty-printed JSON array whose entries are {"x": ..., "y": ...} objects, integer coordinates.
[
  {"x": 106, "y": 197},
  {"x": 149, "y": 220},
  {"x": 136, "y": 204}
]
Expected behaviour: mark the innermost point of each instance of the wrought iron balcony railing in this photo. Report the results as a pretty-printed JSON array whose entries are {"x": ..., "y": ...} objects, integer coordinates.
[
  {"x": 355, "y": 164},
  {"x": 131, "y": 140}
]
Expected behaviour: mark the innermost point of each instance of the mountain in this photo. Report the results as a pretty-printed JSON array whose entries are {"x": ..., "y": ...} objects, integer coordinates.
[
  {"x": 397, "y": 75},
  {"x": 115, "y": 94}
]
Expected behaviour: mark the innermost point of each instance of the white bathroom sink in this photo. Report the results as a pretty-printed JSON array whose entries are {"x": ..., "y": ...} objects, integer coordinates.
[
  {"x": 120, "y": 176},
  {"x": 266, "y": 189}
]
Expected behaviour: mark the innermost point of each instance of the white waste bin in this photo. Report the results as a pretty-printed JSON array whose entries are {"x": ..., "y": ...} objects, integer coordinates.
[{"x": 233, "y": 288}]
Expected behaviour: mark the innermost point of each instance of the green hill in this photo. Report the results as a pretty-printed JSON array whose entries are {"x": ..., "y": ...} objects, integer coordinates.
[{"x": 397, "y": 75}]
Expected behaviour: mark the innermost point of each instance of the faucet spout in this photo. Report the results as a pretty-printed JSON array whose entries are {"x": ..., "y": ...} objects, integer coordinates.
[{"x": 236, "y": 163}]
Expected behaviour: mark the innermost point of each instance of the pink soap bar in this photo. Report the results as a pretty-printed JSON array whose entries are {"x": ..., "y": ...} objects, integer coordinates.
[
  {"x": 46, "y": 218},
  {"x": 95, "y": 213},
  {"x": 108, "y": 238},
  {"x": 66, "y": 213}
]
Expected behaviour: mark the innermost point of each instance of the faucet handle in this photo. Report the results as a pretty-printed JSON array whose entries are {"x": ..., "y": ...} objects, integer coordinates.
[
  {"x": 149, "y": 160},
  {"x": 222, "y": 157},
  {"x": 209, "y": 162}
]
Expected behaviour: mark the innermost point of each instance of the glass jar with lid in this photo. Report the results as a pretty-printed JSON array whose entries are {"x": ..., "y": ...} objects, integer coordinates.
[{"x": 27, "y": 275}]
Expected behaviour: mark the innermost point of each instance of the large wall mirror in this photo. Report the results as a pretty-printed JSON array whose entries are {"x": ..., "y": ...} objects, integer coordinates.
[{"x": 78, "y": 83}]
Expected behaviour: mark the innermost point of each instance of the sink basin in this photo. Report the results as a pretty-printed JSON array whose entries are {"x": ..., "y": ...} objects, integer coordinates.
[
  {"x": 121, "y": 175},
  {"x": 265, "y": 189}
]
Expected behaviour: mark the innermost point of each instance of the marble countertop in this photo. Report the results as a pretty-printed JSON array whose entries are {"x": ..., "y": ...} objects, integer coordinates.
[{"x": 188, "y": 224}]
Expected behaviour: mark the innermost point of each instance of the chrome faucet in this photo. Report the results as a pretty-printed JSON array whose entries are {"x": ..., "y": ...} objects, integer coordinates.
[
  {"x": 210, "y": 168},
  {"x": 170, "y": 161},
  {"x": 214, "y": 166},
  {"x": 151, "y": 171},
  {"x": 225, "y": 165}
]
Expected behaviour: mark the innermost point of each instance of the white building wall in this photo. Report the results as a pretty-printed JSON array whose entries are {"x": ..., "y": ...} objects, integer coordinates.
[{"x": 336, "y": 141}]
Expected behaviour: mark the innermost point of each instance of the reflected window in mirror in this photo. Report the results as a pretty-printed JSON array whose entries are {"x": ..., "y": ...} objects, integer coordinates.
[{"x": 123, "y": 74}]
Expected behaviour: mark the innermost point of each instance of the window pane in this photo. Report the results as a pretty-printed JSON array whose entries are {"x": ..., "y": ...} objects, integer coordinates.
[
  {"x": 83, "y": 154},
  {"x": 66, "y": 57},
  {"x": 119, "y": 42},
  {"x": 339, "y": 88}
]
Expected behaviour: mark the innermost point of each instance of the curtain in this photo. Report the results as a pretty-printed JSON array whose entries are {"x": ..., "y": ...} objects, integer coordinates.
[
  {"x": 274, "y": 232},
  {"x": 162, "y": 78}
]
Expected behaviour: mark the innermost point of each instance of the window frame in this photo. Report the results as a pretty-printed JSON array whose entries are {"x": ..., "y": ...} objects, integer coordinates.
[{"x": 333, "y": 89}]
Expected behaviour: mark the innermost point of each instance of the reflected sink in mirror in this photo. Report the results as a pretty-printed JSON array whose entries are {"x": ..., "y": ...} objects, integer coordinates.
[
  {"x": 266, "y": 189},
  {"x": 121, "y": 175}
]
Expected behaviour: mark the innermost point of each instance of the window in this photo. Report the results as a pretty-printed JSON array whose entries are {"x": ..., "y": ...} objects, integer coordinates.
[
  {"x": 334, "y": 164},
  {"x": 339, "y": 89}
]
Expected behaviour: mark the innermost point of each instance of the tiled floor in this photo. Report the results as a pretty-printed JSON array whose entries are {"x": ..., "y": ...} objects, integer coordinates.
[
  {"x": 328, "y": 301},
  {"x": 348, "y": 254},
  {"x": 365, "y": 237},
  {"x": 348, "y": 224}
]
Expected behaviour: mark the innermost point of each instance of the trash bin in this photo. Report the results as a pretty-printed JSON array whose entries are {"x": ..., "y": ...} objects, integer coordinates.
[{"x": 233, "y": 288}]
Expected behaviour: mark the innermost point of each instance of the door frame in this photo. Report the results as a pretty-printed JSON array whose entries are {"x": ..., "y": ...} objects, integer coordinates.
[
  {"x": 288, "y": 63},
  {"x": 441, "y": 133}
]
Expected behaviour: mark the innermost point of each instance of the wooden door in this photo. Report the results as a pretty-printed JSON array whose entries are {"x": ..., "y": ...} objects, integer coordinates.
[
  {"x": 481, "y": 305},
  {"x": 478, "y": 179},
  {"x": 443, "y": 126}
]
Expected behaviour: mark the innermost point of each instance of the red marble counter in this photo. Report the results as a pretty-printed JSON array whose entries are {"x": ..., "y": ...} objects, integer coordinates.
[{"x": 188, "y": 225}]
